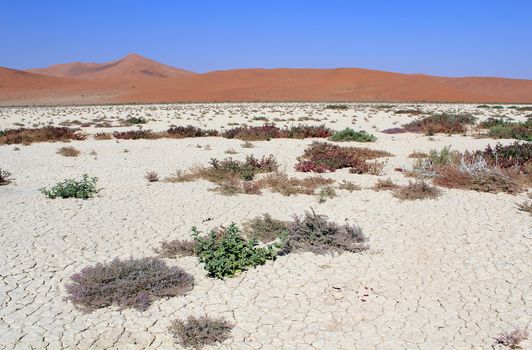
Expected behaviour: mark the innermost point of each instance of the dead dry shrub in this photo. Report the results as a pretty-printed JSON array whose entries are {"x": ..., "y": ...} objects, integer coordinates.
[
  {"x": 314, "y": 233},
  {"x": 321, "y": 157},
  {"x": 5, "y": 177},
  {"x": 152, "y": 176},
  {"x": 103, "y": 136},
  {"x": 132, "y": 283},
  {"x": 264, "y": 228},
  {"x": 416, "y": 190},
  {"x": 68, "y": 151},
  {"x": 196, "y": 332},
  {"x": 45, "y": 134},
  {"x": 177, "y": 248},
  {"x": 385, "y": 185},
  {"x": 280, "y": 182}
]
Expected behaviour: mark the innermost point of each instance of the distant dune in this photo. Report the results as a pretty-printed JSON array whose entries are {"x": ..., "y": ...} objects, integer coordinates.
[{"x": 138, "y": 79}]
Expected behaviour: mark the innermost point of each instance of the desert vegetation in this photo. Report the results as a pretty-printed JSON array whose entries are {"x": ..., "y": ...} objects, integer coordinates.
[
  {"x": 68, "y": 151},
  {"x": 132, "y": 283},
  {"x": 438, "y": 123},
  {"x": 321, "y": 157},
  {"x": 270, "y": 131},
  {"x": 416, "y": 190},
  {"x": 498, "y": 169},
  {"x": 225, "y": 253},
  {"x": 5, "y": 177},
  {"x": 512, "y": 339},
  {"x": 500, "y": 128},
  {"x": 72, "y": 188},
  {"x": 196, "y": 332},
  {"x": 45, "y": 134},
  {"x": 349, "y": 134}
]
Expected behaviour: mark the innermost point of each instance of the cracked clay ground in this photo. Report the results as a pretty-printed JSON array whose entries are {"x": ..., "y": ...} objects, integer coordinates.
[{"x": 449, "y": 273}]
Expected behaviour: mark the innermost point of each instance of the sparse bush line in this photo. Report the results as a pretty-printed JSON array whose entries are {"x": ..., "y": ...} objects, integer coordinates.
[{"x": 349, "y": 134}]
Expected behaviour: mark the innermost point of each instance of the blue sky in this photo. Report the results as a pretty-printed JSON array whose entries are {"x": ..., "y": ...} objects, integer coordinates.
[{"x": 440, "y": 37}]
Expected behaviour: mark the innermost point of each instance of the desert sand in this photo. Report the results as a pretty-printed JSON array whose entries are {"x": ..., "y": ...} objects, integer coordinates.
[
  {"x": 135, "y": 79},
  {"x": 447, "y": 273}
]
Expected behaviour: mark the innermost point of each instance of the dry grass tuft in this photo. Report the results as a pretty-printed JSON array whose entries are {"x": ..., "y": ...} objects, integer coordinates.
[
  {"x": 416, "y": 190},
  {"x": 512, "y": 339},
  {"x": 152, "y": 176},
  {"x": 68, "y": 151},
  {"x": 198, "y": 332},
  {"x": 265, "y": 228},
  {"x": 320, "y": 157},
  {"x": 385, "y": 185}
]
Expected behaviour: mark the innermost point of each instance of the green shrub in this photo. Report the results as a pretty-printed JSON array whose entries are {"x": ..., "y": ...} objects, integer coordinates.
[
  {"x": 349, "y": 134},
  {"x": 226, "y": 253},
  {"x": 511, "y": 130},
  {"x": 5, "y": 177},
  {"x": 71, "y": 188}
]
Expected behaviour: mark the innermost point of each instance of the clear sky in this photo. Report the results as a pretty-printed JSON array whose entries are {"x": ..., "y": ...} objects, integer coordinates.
[{"x": 440, "y": 37}]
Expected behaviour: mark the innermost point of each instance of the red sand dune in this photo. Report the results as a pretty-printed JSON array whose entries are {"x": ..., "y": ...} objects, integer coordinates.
[{"x": 137, "y": 79}]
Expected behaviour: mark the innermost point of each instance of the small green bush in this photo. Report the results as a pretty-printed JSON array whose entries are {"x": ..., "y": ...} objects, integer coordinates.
[
  {"x": 70, "y": 188},
  {"x": 226, "y": 253},
  {"x": 349, "y": 134}
]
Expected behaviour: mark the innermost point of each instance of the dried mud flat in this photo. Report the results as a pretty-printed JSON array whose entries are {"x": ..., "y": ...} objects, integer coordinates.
[{"x": 447, "y": 273}]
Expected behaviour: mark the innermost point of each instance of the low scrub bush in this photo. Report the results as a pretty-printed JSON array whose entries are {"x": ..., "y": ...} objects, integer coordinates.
[
  {"x": 322, "y": 156},
  {"x": 137, "y": 135},
  {"x": 518, "y": 131},
  {"x": 5, "y": 177},
  {"x": 177, "y": 248},
  {"x": 269, "y": 131},
  {"x": 189, "y": 131},
  {"x": 103, "y": 136},
  {"x": 132, "y": 283},
  {"x": 325, "y": 193},
  {"x": 313, "y": 233},
  {"x": 512, "y": 339},
  {"x": 44, "y": 134},
  {"x": 349, "y": 134},
  {"x": 68, "y": 151},
  {"x": 337, "y": 107},
  {"x": 385, "y": 185},
  {"x": 280, "y": 182},
  {"x": 227, "y": 253},
  {"x": 416, "y": 190},
  {"x": 517, "y": 156},
  {"x": 71, "y": 188},
  {"x": 526, "y": 206},
  {"x": 440, "y": 123},
  {"x": 136, "y": 120},
  {"x": 348, "y": 186},
  {"x": 196, "y": 332},
  {"x": 152, "y": 176},
  {"x": 265, "y": 228}
]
